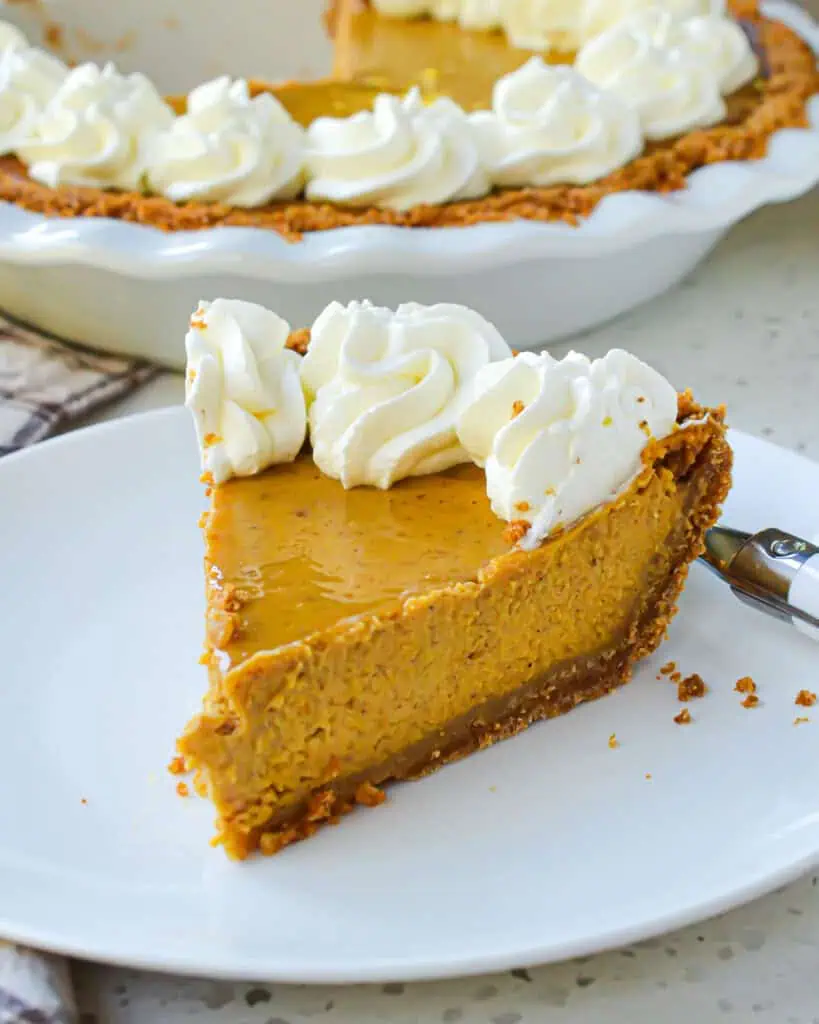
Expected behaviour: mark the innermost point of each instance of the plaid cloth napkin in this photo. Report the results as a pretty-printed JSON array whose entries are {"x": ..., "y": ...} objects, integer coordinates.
[
  {"x": 44, "y": 384},
  {"x": 35, "y": 988}
]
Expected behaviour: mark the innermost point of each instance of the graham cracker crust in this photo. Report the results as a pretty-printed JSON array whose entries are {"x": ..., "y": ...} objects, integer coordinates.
[
  {"x": 777, "y": 100},
  {"x": 704, "y": 475}
]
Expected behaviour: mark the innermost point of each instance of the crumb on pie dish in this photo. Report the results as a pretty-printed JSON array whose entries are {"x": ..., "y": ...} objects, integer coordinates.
[
  {"x": 532, "y": 133},
  {"x": 368, "y": 617}
]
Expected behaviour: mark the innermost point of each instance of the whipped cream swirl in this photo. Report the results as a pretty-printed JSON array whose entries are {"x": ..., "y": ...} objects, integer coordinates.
[
  {"x": 469, "y": 13},
  {"x": 95, "y": 130},
  {"x": 385, "y": 389},
  {"x": 543, "y": 24},
  {"x": 230, "y": 148},
  {"x": 29, "y": 78},
  {"x": 717, "y": 43},
  {"x": 398, "y": 155},
  {"x": 243, "y": 388},
  {"x": 673, "y": 73},
  {"x": 550, "y": 125},
  {"x": 11, "y": 36},
  {"x": 600, "y": 15},
  {"x": 555, "y": 25},
  {"x": 559, "y": 439}
]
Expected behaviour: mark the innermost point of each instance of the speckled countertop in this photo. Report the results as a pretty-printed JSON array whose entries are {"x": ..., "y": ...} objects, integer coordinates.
[{"x": 743, "y": 330}]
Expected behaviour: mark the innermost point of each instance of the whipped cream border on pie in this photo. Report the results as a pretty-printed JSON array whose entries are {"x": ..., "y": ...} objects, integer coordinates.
[{"x": 652, "y": 72}]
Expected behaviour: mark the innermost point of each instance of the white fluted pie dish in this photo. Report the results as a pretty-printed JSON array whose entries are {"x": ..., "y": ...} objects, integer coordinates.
[{"x": 129, "y": 288}]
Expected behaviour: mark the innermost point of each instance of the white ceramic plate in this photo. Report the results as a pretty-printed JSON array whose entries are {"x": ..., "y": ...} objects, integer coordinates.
[{"x": 546, "y": 846}]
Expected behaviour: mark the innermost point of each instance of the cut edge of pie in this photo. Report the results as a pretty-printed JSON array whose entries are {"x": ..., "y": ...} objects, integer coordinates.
[{"x": 464, "y": 636}]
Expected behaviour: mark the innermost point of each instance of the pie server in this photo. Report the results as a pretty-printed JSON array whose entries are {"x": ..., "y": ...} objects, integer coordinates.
[{"x": 772, "y": 571}]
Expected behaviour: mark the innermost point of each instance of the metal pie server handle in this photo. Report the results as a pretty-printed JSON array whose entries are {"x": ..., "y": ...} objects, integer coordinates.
[{"x": 771, "y": 571}]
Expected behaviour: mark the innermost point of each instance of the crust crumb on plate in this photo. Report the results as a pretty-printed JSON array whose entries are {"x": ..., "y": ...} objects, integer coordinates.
[{"x": 691, "y": 687}]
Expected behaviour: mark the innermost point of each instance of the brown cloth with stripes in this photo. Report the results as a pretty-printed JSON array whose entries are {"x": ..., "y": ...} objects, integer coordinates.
[{"x": 45, "y": 383}]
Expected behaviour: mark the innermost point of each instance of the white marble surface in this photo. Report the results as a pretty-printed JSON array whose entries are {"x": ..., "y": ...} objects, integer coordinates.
[{"x": 743, "y": 330}]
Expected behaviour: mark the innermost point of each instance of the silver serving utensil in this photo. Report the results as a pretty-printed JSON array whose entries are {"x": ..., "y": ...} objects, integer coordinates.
[{"x": 771, "y": 571}]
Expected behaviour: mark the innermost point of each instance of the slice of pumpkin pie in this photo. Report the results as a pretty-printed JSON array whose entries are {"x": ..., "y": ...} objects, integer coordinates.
[{"x": 468, "y": 542}]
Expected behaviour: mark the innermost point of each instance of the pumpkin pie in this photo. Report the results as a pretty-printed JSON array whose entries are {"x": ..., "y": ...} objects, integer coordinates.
[
  {"x": 360, "y": 636},
  {"x": 375, "y": 55}
]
